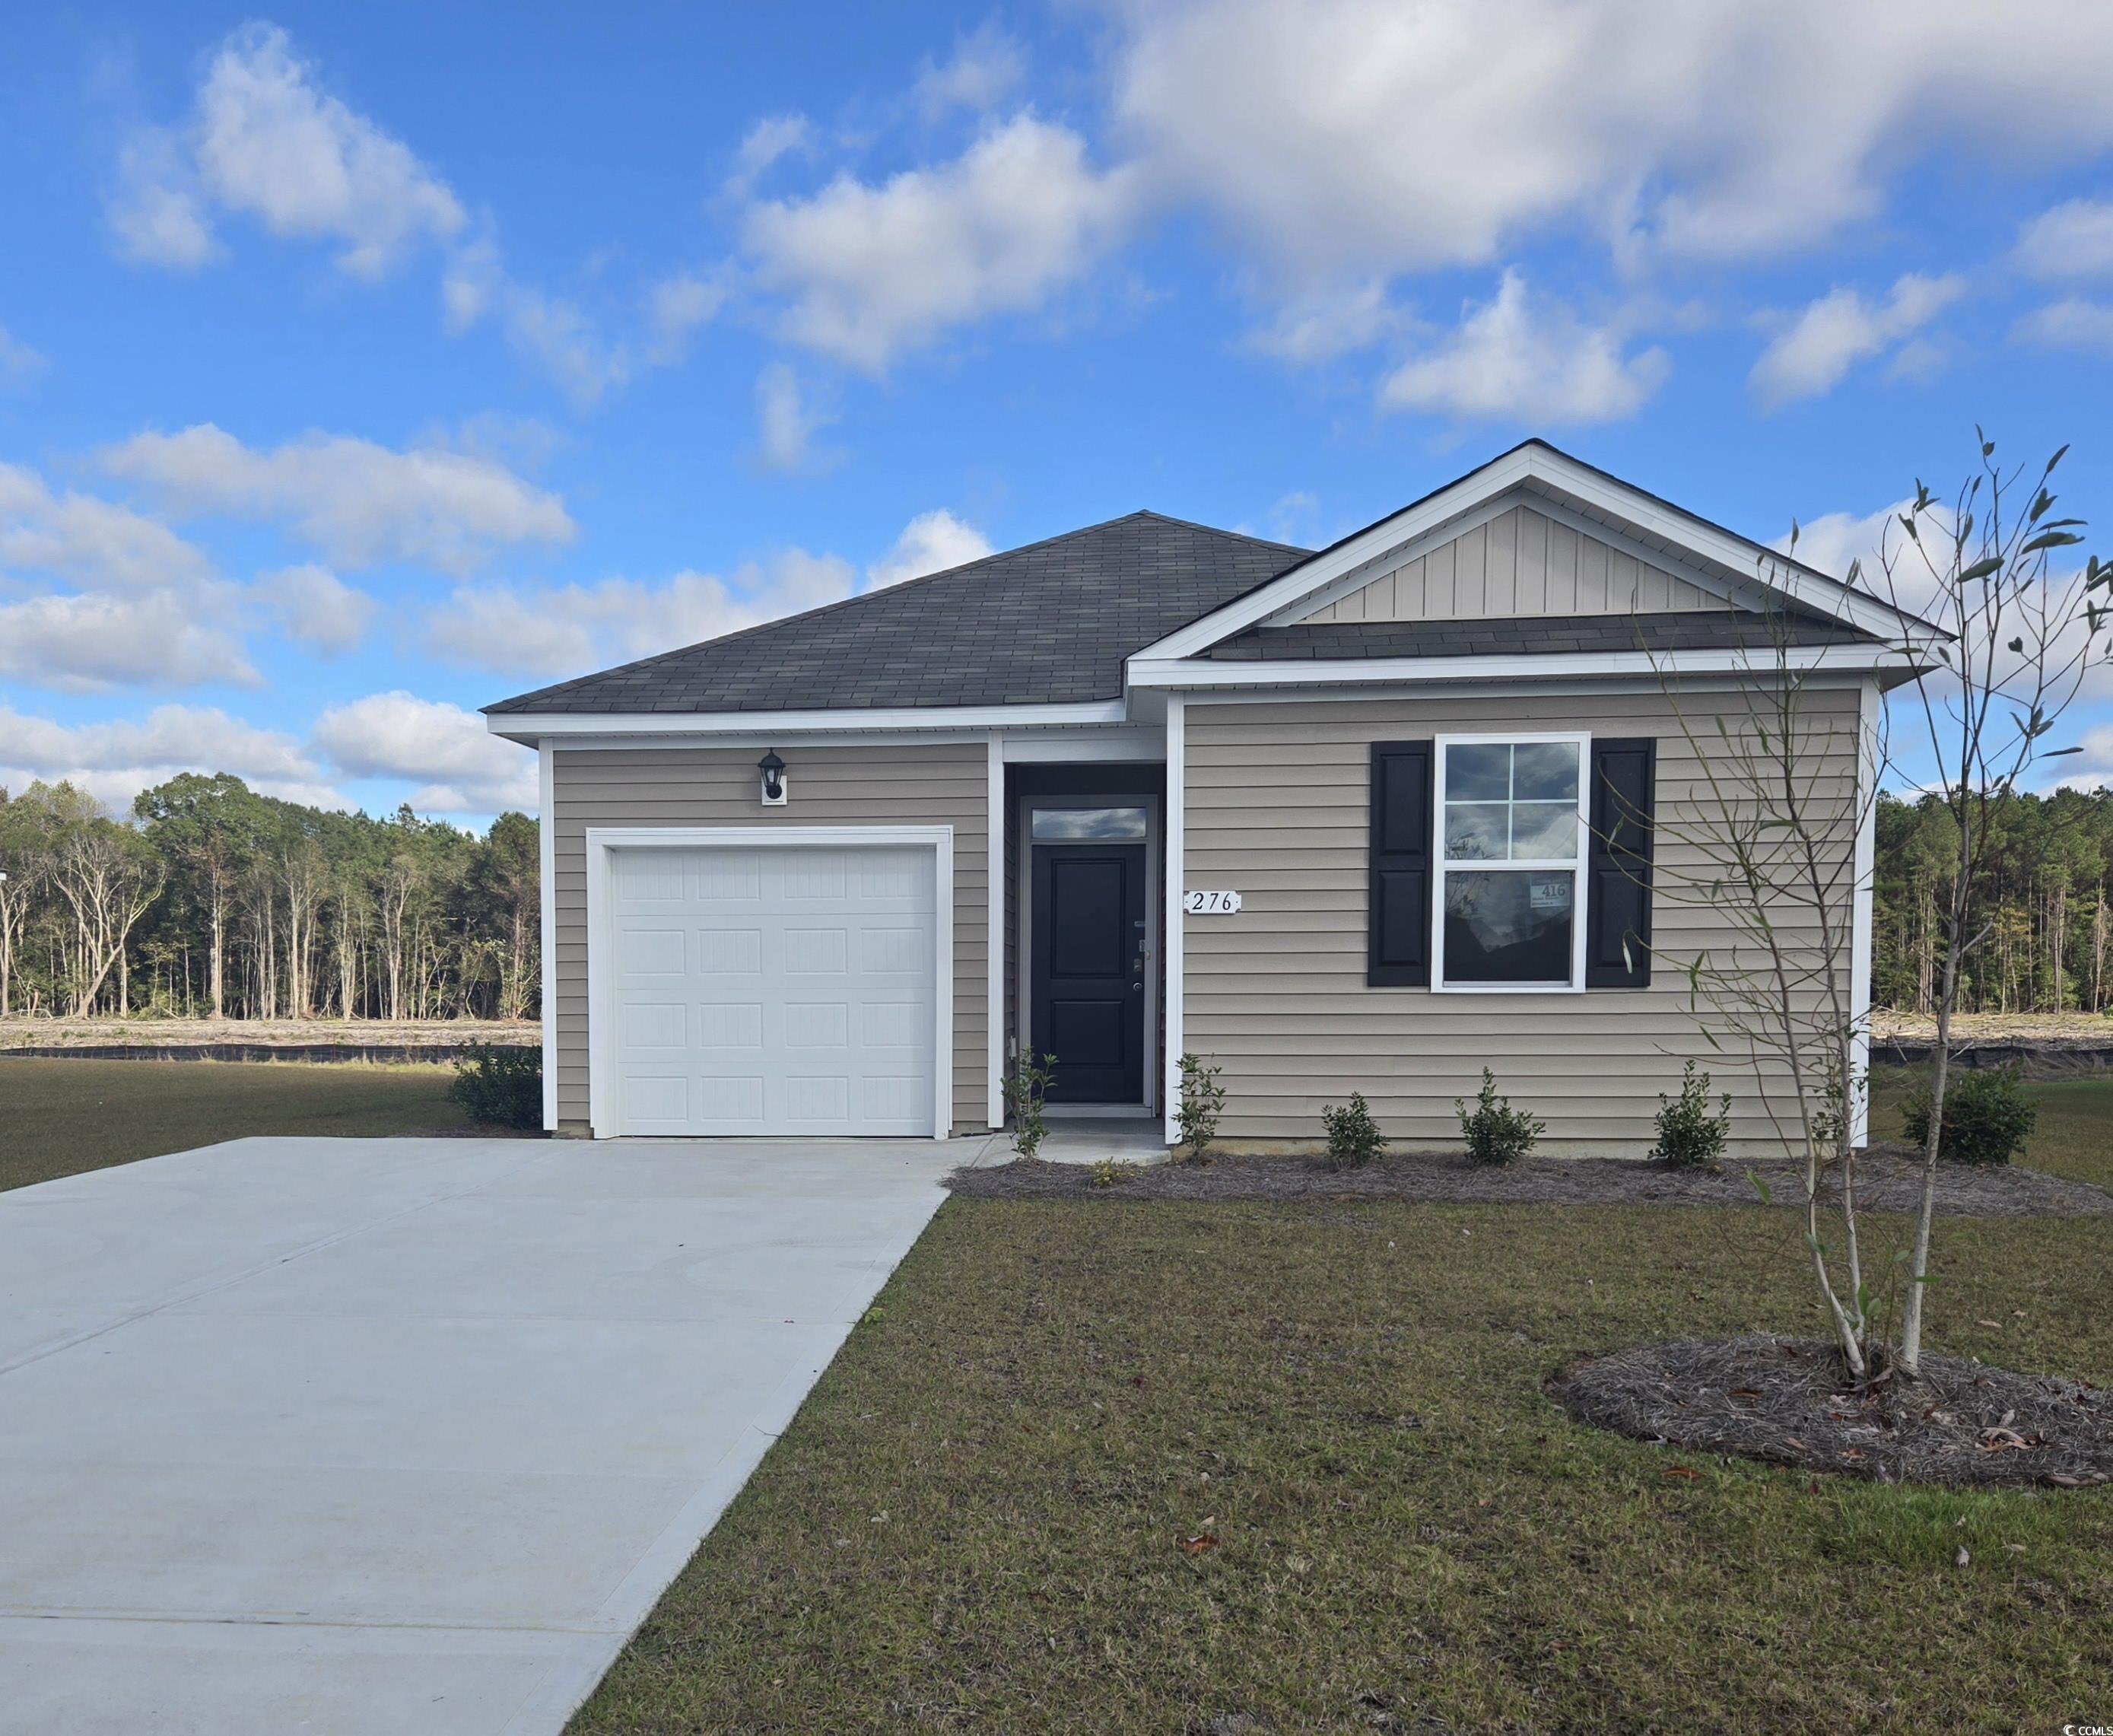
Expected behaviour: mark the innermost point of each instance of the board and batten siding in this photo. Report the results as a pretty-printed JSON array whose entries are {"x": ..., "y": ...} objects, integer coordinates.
[
  {"x": 1521, "y": 563},
  {"x": 1278, "y": 807},
  {"x": 939, "y": 784}
]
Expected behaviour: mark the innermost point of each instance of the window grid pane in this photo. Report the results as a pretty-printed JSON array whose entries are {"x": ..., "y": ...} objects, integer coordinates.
[{"x": 1486, "y": 785}]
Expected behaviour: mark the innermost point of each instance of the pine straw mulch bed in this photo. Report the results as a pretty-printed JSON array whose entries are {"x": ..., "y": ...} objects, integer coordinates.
[
  {"x": 1887, "y": 1180},
  {"x": 1786, "y": 1400}
]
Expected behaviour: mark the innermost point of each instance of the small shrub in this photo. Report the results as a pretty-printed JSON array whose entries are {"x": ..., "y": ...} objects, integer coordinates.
[
  {"x": 1026, "y": 1089},
  {"x": 499, "y": 1084},
  {"x": 1987, "y": 1117},
  {"x": 1495, "y": 1132},
  {"x": 1689, "y": 1136},
  {"x": 1354, "y": 1139},
  {"x": 1202, "y": 1101},
  {"x": 1112, "y": 1172}
]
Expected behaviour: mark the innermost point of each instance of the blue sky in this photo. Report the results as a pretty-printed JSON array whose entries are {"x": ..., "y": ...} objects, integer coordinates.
[{"x": 359, "y": 366}]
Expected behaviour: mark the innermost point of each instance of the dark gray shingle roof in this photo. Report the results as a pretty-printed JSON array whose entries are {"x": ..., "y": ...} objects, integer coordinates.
[
  {"x": 1049, "y": 623},
  {"x": 1707, "y": 629}
]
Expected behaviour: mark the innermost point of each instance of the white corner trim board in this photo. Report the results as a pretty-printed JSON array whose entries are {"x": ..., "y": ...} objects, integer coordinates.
[
  {"x": 1863, "y": 917},
  {"x": 1175, "y": 921},
  {"x": 994, "y": 944},
  {"x": 604, "y": 1110},
  {"x": 546, "y": 838}
]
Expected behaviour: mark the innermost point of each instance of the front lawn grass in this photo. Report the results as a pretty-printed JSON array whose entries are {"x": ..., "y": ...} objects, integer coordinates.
[
  {"x": 59, "y": 1117},
  {"x": 1243, "y": 1469}
]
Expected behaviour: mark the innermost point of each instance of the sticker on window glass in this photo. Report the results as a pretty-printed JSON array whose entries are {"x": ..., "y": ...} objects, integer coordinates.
[{"x": 1549, "y": 894}]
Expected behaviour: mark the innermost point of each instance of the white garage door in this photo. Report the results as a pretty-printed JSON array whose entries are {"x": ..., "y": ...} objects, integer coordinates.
[{"x": 775, "y": 989}]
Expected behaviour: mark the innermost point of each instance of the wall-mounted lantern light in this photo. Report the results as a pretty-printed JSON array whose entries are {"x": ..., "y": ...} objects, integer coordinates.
[{"x": 774, "y": 779}]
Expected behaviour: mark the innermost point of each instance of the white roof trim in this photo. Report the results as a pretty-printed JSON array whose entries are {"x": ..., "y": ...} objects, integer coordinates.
[
  {"x": 1192, "y": 675},
  {"x": 1541, "y": 468},
  {"x": 533, "y": 726}
]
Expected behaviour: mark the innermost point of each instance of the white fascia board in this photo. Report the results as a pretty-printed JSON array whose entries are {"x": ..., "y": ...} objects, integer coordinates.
[
  {"x": 1198, "y": 674},
  {"x": 528, "y": 726},
  {"x": 1534, "y": 465}
]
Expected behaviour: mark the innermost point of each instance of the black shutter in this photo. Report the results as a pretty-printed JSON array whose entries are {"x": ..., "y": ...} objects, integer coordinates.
[
  {"x": 1617, "y": 865},
  {"x": 1398, "y": 903}
]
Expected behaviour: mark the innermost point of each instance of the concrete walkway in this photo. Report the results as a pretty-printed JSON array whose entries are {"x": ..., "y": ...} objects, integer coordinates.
[{"x": 399, "y": 1435}]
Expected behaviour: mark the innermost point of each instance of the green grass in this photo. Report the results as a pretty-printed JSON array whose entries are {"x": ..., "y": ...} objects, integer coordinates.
[
  {"x": 974, "y": 1523},
  {"x": 59, "y": 1117}
]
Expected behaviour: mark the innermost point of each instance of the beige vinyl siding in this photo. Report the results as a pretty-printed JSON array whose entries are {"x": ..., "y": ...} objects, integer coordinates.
[
  {"x": 1278, "y": 801},
  {"x": 1521, "y": 563},
  {"x": 931, "y": 784}
]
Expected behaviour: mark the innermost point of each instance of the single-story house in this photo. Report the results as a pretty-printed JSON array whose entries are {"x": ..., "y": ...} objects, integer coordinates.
[{"x": 1335, "y": 820}]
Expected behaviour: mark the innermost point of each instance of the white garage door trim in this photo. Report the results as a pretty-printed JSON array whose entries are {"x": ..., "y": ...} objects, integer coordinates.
[{"x": 604, "y": 1110}]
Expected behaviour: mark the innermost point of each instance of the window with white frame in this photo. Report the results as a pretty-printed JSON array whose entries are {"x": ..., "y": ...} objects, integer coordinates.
[{"x": 1512, "y": 830}]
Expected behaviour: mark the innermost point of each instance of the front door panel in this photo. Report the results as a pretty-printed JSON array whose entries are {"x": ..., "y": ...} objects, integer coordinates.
[{"x": 1088, "y": 970}]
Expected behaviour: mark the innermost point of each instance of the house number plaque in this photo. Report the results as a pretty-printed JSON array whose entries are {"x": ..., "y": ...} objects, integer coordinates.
[{"x": 1210, "y": 904}]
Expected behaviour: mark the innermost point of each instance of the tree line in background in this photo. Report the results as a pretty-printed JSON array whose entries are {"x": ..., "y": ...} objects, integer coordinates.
[
  {"x": 211, "y": 900},
  {"x": 2042, "y": 889}
]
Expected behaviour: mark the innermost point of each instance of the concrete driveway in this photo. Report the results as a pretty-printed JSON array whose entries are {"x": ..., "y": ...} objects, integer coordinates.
[{"x": 399, "y": 1435}]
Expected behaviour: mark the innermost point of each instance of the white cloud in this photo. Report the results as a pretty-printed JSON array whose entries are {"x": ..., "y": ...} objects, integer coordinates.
[
  {"x": 94, "y": 543},
  {"x": 774, "y": 137},
  {"x": 784, "y": 424},
  {"x": 985, "y": 68},
  {"x": 2091, "y": 770},
  {"x": 1841, "y": 329},
  {"x": 2073, "y": 239},
  {"x": 157, "y": 210},
  {"x": 554, "y": 335},
  {"x": 95, "y": 642},
  {"x": 18, "y": 361},
  {"x": 1527, "y": 360},
  {"x": 1320, "y": 324},
  {"x": 1349, "y": 136},
  {"x": 145, "y": 607},
  {"x": 115, "y": 761},
  {"x": 931, "y": 542},
  {"x": 459, "y": 767},
  {"x": 2071, "y": 323},
  {"x": 676, "y": 306},
  {"x": 1834, "y": 542},
  {"x": 572, "y": 630},
  {"x": 358, "y": 501},
  {"x": 266, "y": 142},
  {"x": 873, "y": 271},
  {"x": 316, "y": 607}
]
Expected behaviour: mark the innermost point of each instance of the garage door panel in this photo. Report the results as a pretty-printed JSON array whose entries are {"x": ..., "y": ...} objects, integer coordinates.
[
  {"x": 815, "y": 951},
  {"x": 656, "y": 1102},
  {"x": 730, "y": 952},
  {"x": 792, "y": 991},
  {"x": 648, "y": 952},
  {"x": 729, "y": 1025},
  {"x": 730, "y": 877},
  {"x": 645, "y": 1024},
  {"x": 818, "y": 1024}
]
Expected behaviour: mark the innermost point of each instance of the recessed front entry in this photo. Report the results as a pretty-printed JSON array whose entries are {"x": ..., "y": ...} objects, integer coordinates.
[{"x": 1089, "y": 961}]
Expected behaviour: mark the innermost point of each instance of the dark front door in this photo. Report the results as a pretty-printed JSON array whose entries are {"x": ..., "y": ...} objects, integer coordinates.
[{"x": 1088, "y": 970}]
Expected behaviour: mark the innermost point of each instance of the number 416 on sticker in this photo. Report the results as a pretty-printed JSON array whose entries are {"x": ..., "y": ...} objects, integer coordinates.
[{"x": 1210, "y": 904}]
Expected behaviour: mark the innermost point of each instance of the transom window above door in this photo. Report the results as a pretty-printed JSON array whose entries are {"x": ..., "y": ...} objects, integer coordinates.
[
  {"x": 1075, "y": 825},
  {"x": 1510, "y": 864}
]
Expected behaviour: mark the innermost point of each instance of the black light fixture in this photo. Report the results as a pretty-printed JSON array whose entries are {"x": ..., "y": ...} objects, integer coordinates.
[{"x": 774, "y": 778}]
